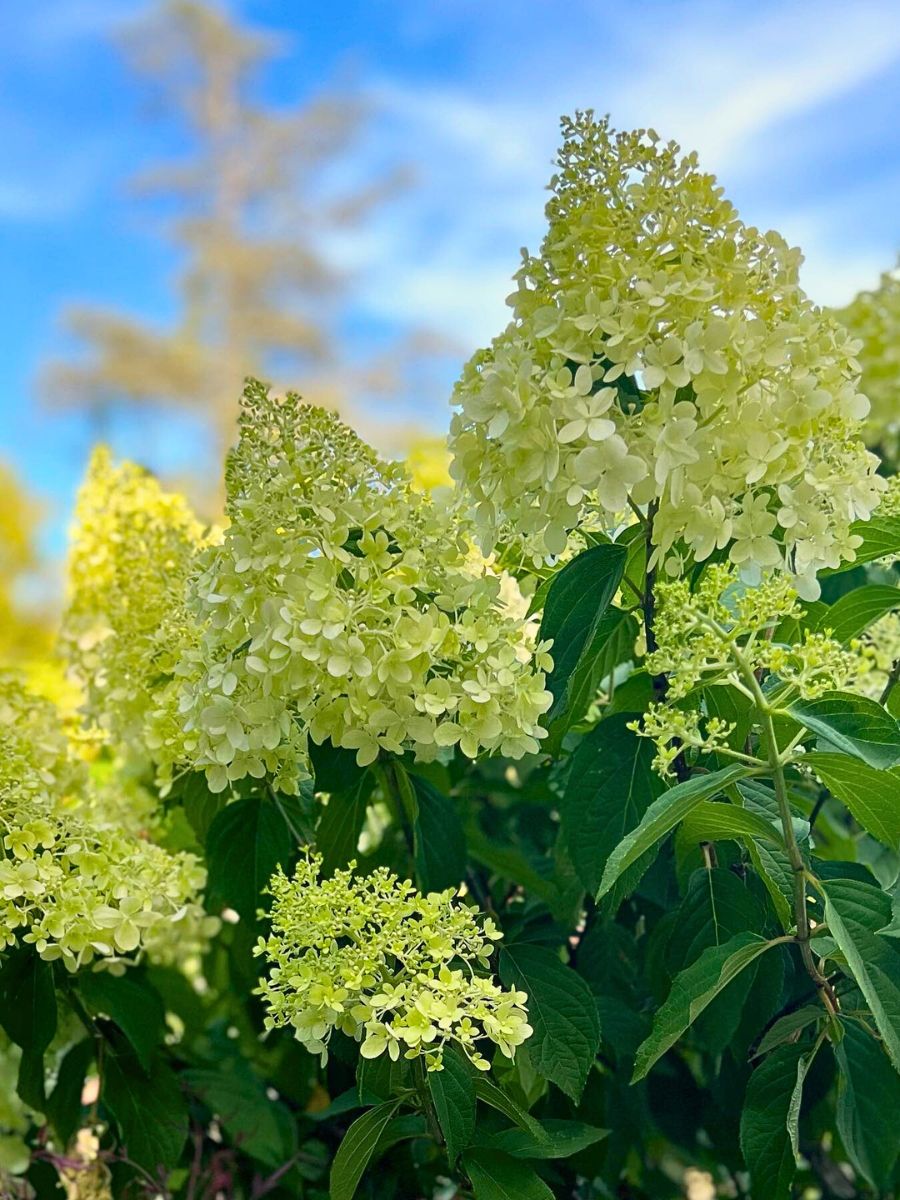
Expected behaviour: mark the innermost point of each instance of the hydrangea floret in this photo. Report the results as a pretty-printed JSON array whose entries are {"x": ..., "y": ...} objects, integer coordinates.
[
  {"x": 401, "y": 972},
  {"x": 125, "y": 621},
  {"x": 340, "y": 605},
  {"x": 76, "y": 886},
  {"x": 663, "y": 357}
]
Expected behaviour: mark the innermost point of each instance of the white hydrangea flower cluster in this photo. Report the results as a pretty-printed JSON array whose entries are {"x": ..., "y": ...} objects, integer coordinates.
[
  {"x": 663, "y": 355},
  {"x": 341, "y": 605},
  {"x": 79, "y": 888},
  {"x": 125, "y": 623},
  {"x": 396, "y": 970},
  {"x": 874, "y": 319}
]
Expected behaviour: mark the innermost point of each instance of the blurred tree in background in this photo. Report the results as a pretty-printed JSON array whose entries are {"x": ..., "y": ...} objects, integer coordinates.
[{"x": 250, "y": 205}]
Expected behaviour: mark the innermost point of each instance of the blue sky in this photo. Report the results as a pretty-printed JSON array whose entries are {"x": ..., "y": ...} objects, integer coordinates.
[{"x": 793, "y": 104}]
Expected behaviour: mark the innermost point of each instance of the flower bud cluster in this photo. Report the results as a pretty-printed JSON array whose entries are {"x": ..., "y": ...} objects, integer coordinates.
[
  {"x": 719, "y": 633},
  {"x": 401, "y": 972},
  {"x": 76, "y": 885},
  {"x": 342, "y": 605},
  {"x": 663, "y": 355}
]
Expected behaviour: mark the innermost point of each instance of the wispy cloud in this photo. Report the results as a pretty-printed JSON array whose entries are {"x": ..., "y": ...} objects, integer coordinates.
[{"x": 745, "y": 86}]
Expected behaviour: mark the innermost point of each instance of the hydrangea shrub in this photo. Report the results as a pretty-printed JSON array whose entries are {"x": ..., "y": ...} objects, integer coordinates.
[{"x": 535, "y": 837}]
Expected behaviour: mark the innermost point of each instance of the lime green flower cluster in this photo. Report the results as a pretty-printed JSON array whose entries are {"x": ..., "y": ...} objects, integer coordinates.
[
  {"x": 78, "y": 887},
  {"x": 718, "y": 633},
  {"x": 874, "y": 319},
  {"x": 662, "y": 354},
  {"x": 396, "y": 970},
  {"x": 125, "y": 623},
  {"x": 341, "y": 605}
]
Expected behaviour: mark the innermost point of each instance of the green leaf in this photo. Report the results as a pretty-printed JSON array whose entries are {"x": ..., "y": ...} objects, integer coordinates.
[
  {"x": 510, "y": 863},
  {"x": 200, "y": 805},
  {"x": 804, "y": 1062},
  {"x": 854, "y": 912},
  {"x": 713, "y": 822},
  {"x": 868, "y": 1103},
  {"x": 129, "y": 1001},
  {"x": 692, "y": 990},
  {"x": 256, "y": 1125},
  {"x": 490, "y": 1094},
  {"x": 872, "y": 796},
  {"x": 247, "y": 841},
  {"x": 497, "y": 1176},
  {"x": 341, "y": 822},
  {"x": 789, "y": 1027},
  {"x": 63, "y": 1107},
  {"x": 663, "y": 815},
  {"x": 148, "y": 1109},
  {"x": 28, "y": 999},
  {"x": 562, "y": 1139},
  {"x": 453, "y": 1094},
  {"x": 28, "y": 1014},
  {"x": 765, "y": 1142},
  {"x": 561, "y": 1010},
  {"x": 439, "y": 842},
  {"x": 854, "y": 612},
  {"x": 356, "y": 1150},
  {"x": 880, "y": 539},
  {"x": 611, "y": 643},
  {"x": 576, "y": 601},
  {"x": 854, "y": 725},
  {"x": 334, "y": 768},
  {"x": 610, "y": 786}
]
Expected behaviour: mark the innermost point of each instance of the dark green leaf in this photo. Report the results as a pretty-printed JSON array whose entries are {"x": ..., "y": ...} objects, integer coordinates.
[
  {"x": 872, "y": 796},
  {"x": 63, "y": 1108},
  {"x": 562, "y": 1139},
  {"x": 440, "y": 845},
  {"x": 334, "y": 768},
  {"x": 610, "y": 786},
  {"x": 247, "y": 841},
  {"x": 453, "y": 1095},
  {"x": 490, "y": 1094},
  {"x": 497, "y": 1176},
  {"x": 341, "y": 822},
  {"x": 611, "y": 643},
  {"x": 880, "y": 539},
  {"x": 765, "y": 1142},
  {"x": 663, "y": 815},
  {"x": 854, "y": 912},
  {"x": 853, "y": 725},
  {"x": 256, "y": 1125},
  {"x": 711, "y": 822},
  {"x": 789, "y": 1027},
  {"x": 692, "y": 990},
  {"x": 576, "y": 601},
  {"x": 868, "y": 1106},
  {"x": 851, "y": 614},
  {"x": 131, "y": 1003},
  {"x": 562, "y": 1012},
  {"x": 201, "y": 806},
  {"x": 28, "y": 1014},
  {"x": 356, "y": 1150},
  {"x": 148, "y": 1109}
]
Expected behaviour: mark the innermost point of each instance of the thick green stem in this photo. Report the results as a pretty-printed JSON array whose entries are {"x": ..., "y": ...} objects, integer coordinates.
[{"x": 795, "y": 855}]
